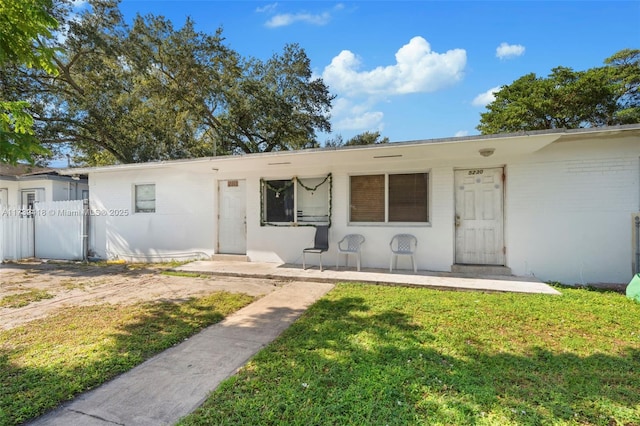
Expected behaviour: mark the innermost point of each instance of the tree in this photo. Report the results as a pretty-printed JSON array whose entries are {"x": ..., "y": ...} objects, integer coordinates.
[
  {"x": 24, "y": 27},
  {"x": 601, "y": 96},
  {"x": 152, "y": 92},
  {"x": 364, "y": 138}
]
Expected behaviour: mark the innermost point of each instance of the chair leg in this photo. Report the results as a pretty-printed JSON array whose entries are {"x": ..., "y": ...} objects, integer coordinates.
[
  {"x": 391, "y": 264},
  {"x": 358, "y": 260},
  {"x": 320, "y": 262},
  {"x": 414, "y": 263},
  {"x": 303, "y": 262}
]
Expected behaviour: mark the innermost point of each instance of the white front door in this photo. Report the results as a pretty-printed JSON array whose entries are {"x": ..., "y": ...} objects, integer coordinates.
[
  {"x": 232, "y": 217},
  {"x": 479, "y": 216}
]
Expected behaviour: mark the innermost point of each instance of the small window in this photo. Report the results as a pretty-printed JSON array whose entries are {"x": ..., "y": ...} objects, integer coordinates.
[
  {"x": 279, "y": 201},
  {"x": 389, "y": 198},
  {"x": 145, "y": 198}
]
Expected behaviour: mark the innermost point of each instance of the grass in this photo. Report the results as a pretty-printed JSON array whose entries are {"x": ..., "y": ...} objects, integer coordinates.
[
  {"x": 19, "y": 300},
  {"x": 401, "y": 356},
  {"x": 46, "y": 362}
]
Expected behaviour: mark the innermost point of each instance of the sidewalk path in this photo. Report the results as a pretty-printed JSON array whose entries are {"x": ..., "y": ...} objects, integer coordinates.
[{"x": 175, "y": 382}]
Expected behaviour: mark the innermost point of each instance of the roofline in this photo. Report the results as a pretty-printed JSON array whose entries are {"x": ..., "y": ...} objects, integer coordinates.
[{"x": 436, "y": 141}]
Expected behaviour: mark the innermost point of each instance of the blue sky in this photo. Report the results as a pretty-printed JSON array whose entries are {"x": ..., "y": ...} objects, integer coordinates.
[{"x": 415, "y": 69}]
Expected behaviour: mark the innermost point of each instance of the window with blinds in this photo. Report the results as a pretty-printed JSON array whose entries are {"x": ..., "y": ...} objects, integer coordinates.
[
  {"x": 367, "y": 198},
  {"x": 408, "y": 201},
  {"x": 389, "y": 198}
]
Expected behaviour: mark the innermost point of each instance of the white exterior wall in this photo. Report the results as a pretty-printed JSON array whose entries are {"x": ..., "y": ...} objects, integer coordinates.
[
  {"x": 183, "y": 224},
  {"x": 568, "y": 211},
  {"x": 567, "y": 206}
]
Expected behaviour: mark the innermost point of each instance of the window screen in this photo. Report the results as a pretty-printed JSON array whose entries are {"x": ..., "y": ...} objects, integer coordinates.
[
  {"x": 279, "y": 201},
  {"x": 145, "y": 198}
]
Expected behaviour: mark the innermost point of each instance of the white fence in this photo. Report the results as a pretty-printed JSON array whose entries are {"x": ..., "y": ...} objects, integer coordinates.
[
  {"x": 55, "y": 230},
  {"x": 16, "y": 234}
]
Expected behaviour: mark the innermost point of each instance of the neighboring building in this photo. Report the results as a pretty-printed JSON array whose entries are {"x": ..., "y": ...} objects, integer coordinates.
[
  {"x": 554, "y": 204},
  {"x": 23, "y": 185}
]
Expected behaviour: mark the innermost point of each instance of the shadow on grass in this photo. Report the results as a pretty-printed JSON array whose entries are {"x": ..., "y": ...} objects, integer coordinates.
[
  {"x": 84, "y": 356},
  {"x": 340, "y": 364}
]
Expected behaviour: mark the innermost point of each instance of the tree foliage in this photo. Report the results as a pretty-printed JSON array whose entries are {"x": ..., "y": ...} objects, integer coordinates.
[
  {"x": 148, "y": 91},
  {"x": 25, "y": 27},
  {"x": 601, "y": 96},
  {"x": 364, "y": 138}
]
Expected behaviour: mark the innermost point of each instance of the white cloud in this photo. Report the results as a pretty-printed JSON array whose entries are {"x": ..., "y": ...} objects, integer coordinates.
[
  {"x": 267, "y": 8},
  {"x": 485, "y": 98},
  {"x": 285, "y": 19},
  {"x": 506, "y": 51},
  {"x": 350, "y": 116},
  {"x": 461, "y": 133},
  {"x": 417, "y": 70}
]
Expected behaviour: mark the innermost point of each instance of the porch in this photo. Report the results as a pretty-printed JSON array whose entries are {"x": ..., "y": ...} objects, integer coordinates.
[{"x": 435, "y": 280}]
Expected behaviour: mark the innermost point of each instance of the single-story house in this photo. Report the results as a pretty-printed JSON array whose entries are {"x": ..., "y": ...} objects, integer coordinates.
[
  {"x": 24, "y": 185},
  {"x": 552, "y": 204}
]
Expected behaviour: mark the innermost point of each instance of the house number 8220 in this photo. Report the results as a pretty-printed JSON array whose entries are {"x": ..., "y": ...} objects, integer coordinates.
[{"x": 475, "y": 172}]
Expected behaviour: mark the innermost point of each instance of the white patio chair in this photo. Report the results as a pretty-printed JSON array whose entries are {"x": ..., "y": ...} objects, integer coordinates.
[
  {"x": 350, "y": 244},
  {"x": 403, "y": 245}
]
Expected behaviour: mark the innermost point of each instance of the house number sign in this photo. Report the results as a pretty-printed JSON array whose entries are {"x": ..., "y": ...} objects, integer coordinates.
[{"x": 475, "y": 172}]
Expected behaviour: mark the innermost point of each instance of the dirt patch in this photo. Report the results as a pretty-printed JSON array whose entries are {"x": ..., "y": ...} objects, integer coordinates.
[{"x": 68, "y": 285}]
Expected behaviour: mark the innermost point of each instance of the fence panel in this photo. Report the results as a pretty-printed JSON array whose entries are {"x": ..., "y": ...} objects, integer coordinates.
[
  {"x": 60, "y": 230},
  {"x": 16, "y": 233}
]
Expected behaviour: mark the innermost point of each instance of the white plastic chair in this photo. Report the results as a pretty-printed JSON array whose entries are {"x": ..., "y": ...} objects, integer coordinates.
[
  {"x": 403, "y": 245},
  {"x": 350, "y": 244}
]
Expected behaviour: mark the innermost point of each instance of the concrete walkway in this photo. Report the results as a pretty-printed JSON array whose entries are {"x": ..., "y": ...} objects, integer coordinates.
[
  {"x": 175, "y": 382},
  {"x": 438, "y": 280}
]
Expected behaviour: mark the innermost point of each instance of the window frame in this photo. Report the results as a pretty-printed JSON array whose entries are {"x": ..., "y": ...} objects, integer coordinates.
[
  {"x": 137, "y": 210},
  {"x": 386, "y": 221},
  {"x": 298, "y": 184}
]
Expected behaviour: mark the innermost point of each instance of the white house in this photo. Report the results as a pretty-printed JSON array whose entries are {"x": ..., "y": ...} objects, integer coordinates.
[
  {"x": 554, "y": 204},
  {"x": 23, "y": 185}
]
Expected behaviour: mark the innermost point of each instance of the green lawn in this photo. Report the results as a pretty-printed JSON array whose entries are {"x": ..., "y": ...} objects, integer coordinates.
[
  {"x": 374, "y": 355},
  {"x": 48, "y": 361}
]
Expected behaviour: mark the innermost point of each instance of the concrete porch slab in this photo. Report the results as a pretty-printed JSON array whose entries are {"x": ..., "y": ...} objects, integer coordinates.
[{"x": 437, "y": 280}]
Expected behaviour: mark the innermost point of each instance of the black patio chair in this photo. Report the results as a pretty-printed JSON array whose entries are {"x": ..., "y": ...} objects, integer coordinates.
[{"x": 320, "y": 244}]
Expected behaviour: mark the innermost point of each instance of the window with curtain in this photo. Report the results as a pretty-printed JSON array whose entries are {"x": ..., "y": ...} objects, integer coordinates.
[
  {"x": 145, "y": 198},
  {"x": 384, "y": 198}
]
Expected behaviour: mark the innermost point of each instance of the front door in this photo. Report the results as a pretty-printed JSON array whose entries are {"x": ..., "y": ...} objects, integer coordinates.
[
  {"x": 479, "y": 216},
  {"x": 232, "y": 217}
]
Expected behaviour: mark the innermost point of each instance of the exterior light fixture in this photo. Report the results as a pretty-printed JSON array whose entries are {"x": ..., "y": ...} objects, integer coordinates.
[{"x": 487, "y": 152}]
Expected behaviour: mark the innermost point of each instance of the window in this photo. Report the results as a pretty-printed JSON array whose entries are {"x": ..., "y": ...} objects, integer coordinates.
[
  {"x": 279, "y": 201},
  {"x": 389, "y": 198},
  {"x": 145, "y": 198},
  {"x": 312, "y": 200},
  {"x": 296, "y": 200}
]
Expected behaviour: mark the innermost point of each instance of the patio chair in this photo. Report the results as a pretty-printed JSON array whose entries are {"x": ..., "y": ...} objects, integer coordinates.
[
  {"x": 320, "y": 244},
  {"x": 350, "y": 244},
  {"x": 403, "y": 245}
]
